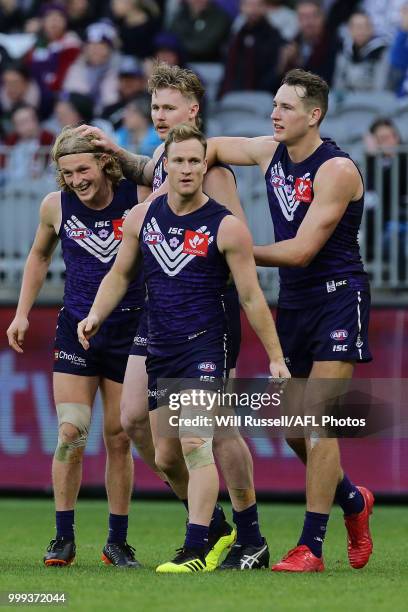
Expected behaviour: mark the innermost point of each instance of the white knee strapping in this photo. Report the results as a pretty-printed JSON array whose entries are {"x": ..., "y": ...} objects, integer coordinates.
[
  {"x": 78, "y": 415},
  {"x": 201, "y": 456}
]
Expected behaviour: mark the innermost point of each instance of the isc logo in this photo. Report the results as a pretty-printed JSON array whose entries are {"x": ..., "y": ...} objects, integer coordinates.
[
  {"x": 207, "y": 366},
  {"x": 340, "y": 348},
  {"x": 176, "y": 230}
]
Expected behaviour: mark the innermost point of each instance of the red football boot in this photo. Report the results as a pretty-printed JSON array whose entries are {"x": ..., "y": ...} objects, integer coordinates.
[
  {"x": 359, "y": 542},
  {"x": 299, "y": 559}
]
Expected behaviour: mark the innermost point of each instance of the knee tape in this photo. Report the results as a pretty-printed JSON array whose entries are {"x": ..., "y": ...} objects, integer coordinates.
[
  {"x": 201, "y": 456},
  {"x": 78, "y": 415}
]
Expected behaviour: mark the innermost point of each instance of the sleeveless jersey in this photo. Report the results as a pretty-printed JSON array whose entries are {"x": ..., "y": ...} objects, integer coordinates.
[
  {"x": 90, "y": 240},
  {"x": 338, "y": 263},
  {"x": 159, "y": 174},
  {"x": 185, "y": 275}
]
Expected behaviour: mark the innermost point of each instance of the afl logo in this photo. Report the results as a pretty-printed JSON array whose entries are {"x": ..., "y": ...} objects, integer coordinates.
[
  {"x": 277, "y": 181},
  {"x": 79, "y": 233},
  {"x": 153, "y": 237},
  {"x": 207, "y": 366},
  {"x": 339, "y": 334}
]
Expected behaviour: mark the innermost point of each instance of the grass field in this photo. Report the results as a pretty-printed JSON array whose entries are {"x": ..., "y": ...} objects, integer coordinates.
[{"x": 157, "y": 528}]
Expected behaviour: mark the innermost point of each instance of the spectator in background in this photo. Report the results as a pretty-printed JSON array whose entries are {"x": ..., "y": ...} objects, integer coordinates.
[
  {"x": 385, "y": 16},
  {"x": 137, "y": 133},
  {"x": 11, "y": 16},
  {"x": 132, "y": 86},
  {"x": 283, "y": 18},
  {"x": 316, "y": 46},
  {"x": 74, "y": 108},
  {"x": 81, "y": 13},
  {"x": 254, "y": 51},
  {"x": 95, "y": 72},
  {"x": 55, "y": 50},
  {"x": 399, "y": 55},
  {"x": 18, "y": 88},
  {"x": 382, "y": 154},
  {"x": 362, "y": 64},
  {"x": 166, "y": 48},
  {"x": 137, "y": 21},
  {"x": 202, "y": 27},
  {"x": 26, "y": 161}
]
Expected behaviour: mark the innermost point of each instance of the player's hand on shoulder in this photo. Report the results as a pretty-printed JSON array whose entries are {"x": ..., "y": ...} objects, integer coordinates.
[
  {"x": 99, "y": 138},
  {"x": 278, "y": 369},
  {"x": 87, "y": 328},
  {"x": 16, "y": 333}
]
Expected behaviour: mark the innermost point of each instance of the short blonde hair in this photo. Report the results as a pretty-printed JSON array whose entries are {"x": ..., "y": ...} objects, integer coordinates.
[
  {"x": 182, "y": 132},
  {"x": 173, "y": 77},
  {"x": 71, "y": 142}
]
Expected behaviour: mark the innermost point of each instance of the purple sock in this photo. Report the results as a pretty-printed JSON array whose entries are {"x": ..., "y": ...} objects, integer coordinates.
[
  {"x": 217, "y": 517},
  {"x": 65, "y": 524},
  {"x": 196, "y": 536},
  {"x": 314, "y": 532},
  {"x": 118, "y": 526},
  {"x": 247, "y": 526},
  {"x": 349, "y": 497}
]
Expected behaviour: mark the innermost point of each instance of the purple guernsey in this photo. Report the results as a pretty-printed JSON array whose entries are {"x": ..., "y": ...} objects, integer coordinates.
[
  {"x": 90, "y": 241},
  {"x": 290, "y": 192},
  {"x": 185, "y": 274}
]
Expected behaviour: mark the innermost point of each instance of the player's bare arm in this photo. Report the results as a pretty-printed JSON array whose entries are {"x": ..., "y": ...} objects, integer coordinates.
[
  {"x": 36, "y": 267},
  {"x": 235, "y": 242},
  {"x": 136, "y": 168},
  {"x": 337, "y": 182},
  {"x": 115, "y": 284},
  {"x": 219, "y": 184},
  {"x": 241, "y": 151}
]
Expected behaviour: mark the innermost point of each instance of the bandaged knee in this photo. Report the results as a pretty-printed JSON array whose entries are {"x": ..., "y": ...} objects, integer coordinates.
[
  {"x": 78, "y": 415},
  {"x": 200, "y": 456}
]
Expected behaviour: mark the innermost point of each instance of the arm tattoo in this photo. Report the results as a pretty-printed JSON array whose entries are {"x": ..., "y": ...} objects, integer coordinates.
[{"x": 133, "y": 167}]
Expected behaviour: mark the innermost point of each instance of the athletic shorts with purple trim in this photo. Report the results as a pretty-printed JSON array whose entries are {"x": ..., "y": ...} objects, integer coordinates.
[
  {"x": 108, "y": 352},
  {"x": 334, "y": 330},
  {"x": 204, "y": 359}
]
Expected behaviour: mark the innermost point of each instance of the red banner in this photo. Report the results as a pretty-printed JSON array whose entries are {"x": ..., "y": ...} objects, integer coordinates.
[{"x": 28, "y": 425}]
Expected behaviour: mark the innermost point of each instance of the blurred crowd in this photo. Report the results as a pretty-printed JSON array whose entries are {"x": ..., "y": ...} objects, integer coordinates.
[
  {"x": 76, "y": 61},
  {"x": 89, "y": 60},
  {"x": 81, "y": 61}
]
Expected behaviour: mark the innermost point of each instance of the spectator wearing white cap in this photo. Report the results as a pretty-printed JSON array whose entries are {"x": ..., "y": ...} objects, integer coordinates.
[{"x": 95, "y": 72}]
